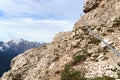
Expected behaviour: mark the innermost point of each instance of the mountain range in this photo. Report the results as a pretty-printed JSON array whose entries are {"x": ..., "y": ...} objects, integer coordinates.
[{"x": 10, "y": 49}]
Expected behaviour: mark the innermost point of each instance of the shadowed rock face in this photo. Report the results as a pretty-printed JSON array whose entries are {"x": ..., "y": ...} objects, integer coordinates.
[
  {"x": 91, "y": 4},
  {"x": 47, "y": 62}
]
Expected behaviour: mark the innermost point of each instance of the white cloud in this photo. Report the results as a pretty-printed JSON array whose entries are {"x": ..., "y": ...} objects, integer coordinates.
[
  {"x": 37, "y": 20},
  {"x": 36, "y": 30},
  {"x": 60, "y": 9}
]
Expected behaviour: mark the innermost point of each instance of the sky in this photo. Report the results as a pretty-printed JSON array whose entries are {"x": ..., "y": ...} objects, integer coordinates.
[{"x": 37, "y": 20}]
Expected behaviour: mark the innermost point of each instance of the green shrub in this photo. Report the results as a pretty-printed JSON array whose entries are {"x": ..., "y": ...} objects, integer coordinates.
[
  {"x": 103, "y": 50},
  {"x": 118, "y": 73},
  {"x": 75, "y": 75},
  {"x": 79, "y": 57},
  {"x": 68, "y": 74},
  {"x": 117, "y": 21},
  {"x": 102, "y": 25},
  {"x": 105, "y": 58},
  {"x": 65, "y": 75},
  {"x": 110, "y": 30},
  {"x": 94, "y": 41},
  {"x": 103, "y": 78},
  {"x": 114, "y": 70}
]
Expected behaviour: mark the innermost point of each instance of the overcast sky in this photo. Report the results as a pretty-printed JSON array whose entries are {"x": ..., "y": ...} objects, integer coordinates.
[{"x": 37, "y": 20}]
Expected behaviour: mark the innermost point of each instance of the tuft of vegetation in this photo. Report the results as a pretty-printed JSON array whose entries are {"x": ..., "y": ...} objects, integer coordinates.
[
  {"x": 110, "y": 30},
  {"x": 103, "y": 78},
  {"x": 68, "y": 74},
  {"x": 102, "y": 25},
  {"x": 105, "y": 50},
  {"x": 105, "y": 58},
  {"x": 104, "y": 34},
  {"x": 118, "y": 73},
  {"x": 114, "y": 70},
  {"x": 94, "y": 41},
  {"x": 118, "y": 64},
  {"x": 117, "y": 21},
  {"x": 79, "y": 56}
]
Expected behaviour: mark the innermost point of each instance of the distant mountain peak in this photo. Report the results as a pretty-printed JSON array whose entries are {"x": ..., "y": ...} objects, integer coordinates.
[
  {"x": 12, "y": 48},
  {"x": 18, "y": 44},
  {"x": 15, "y": 41},
  {"x": 1, "y": 48}
]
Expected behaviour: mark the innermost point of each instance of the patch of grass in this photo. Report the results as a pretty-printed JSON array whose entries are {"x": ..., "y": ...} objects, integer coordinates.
[
  {"x": 103, "y": 78},
  {"x": 118, "y": 73},
  {"x": 102, "y": 25},
  {"x": 110, "y": 30},
  {"x": 104, "y": 50},
  {"x": 68, "y": 74},
  {"x": 79, "y": 56},
  {"x": 117, "y": 21},
  {"x": 114, "y": 70},
  {"x": 105, "y": 58},
  {"x": 94, "y": 41}
]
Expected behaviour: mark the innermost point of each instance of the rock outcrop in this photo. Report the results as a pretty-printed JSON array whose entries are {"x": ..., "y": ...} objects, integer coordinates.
[{"x": 79, "y": 48}]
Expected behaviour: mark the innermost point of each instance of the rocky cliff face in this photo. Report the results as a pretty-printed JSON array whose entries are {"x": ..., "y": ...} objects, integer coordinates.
[{"x": 78, "y": 48}]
